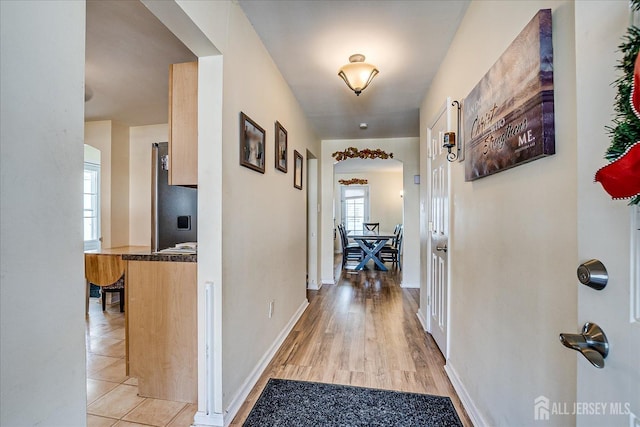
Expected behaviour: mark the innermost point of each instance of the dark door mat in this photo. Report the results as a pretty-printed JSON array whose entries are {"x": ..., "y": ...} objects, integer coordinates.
[{"x": 299, "y": 403}]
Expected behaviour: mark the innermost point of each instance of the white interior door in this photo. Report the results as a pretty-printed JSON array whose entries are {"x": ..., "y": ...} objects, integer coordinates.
[
  {"x": 607, "y": 230},
  {"x": 438, "y": 268}
]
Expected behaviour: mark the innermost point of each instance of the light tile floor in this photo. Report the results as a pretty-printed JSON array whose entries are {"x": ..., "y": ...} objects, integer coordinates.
[{"x": 112, "y": 396}]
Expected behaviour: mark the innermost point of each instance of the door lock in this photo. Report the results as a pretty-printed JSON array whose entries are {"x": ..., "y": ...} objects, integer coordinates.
[
  {"x": 593, "y": 274},
  {"x": 441, "y": 248}
]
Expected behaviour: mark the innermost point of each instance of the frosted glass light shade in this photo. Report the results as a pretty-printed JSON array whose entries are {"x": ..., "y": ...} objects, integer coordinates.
[{"x": 357, "y": 74}]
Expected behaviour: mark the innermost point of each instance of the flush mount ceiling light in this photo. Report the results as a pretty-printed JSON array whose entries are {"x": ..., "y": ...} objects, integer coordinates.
[{"x": 357, "y": 74}]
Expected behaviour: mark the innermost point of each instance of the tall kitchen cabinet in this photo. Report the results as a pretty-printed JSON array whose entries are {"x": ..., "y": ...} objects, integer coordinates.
[{"x": 183, "y": 124}]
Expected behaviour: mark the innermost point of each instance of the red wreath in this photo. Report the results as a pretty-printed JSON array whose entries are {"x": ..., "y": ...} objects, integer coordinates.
[{"x": 621, "y": 178}]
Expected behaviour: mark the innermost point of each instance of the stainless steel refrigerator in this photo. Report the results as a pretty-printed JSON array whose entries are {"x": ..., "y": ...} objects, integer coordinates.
[{"x": 174, "y": 209}]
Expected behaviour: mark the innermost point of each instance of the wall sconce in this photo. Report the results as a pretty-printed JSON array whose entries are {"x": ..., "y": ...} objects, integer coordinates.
[
  {"x": 449, "y": 140},
  {"x": 357, "y": 74},
  {"x": 449, "y": 144}
]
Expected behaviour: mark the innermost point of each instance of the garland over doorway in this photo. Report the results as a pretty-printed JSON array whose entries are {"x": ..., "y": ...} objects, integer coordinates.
[
  {"x": 353, "y": 181},
  {"x": 367, "y": 153}
]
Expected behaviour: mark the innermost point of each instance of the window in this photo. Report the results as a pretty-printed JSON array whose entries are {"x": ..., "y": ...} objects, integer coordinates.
[
  {"x": 91, "y": 206},
  {"x": 355, "y": 207}
]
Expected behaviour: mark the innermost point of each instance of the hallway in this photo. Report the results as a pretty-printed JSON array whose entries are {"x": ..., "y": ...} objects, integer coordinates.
[{"x": 362, "y": 332}]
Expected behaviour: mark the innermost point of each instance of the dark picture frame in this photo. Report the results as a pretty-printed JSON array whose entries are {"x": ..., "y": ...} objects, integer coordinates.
[
  {"x": 252, "y": 144},
  {"x": 298, "y": 165},
  {"x": 281, "y": 143}
]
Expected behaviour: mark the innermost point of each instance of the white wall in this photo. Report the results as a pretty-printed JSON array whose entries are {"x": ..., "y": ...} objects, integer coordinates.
[
  {"x": 253, "y": 244},
  {"x": 405, "y": 150},
  {"x": 263, "y": 215},
  {"x": 112, "y": 139},
  {"x": 119, "y": 184},
  {"x": 513, "y": 236},
  {"x": 98, "y": 135},
  {"x": 42, "y": 349},
  {"x": 202, "y": 27},
  {"x": 91, "y": 154},
  {"x": 140, "y": 142}
]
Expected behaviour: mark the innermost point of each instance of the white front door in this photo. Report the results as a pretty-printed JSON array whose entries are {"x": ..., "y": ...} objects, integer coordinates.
[
  {"x": 437, "y": 271},
  {"x": 607, "y": 229}
]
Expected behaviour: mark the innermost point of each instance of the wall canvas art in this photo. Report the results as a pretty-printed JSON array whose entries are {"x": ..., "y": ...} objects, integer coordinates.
[{"x": 508, "y": 116}]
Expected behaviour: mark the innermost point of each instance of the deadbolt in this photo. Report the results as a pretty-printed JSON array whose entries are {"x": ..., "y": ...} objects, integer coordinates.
[{"x": 593, "y": 274}]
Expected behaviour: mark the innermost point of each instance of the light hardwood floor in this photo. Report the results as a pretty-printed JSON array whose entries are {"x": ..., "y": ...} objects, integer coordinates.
[{"x": 363, "y": 332}]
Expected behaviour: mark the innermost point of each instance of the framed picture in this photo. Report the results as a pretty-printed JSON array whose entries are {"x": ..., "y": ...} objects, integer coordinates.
[
  {"x": 281, "y": 148},
  {"x": 252, "y": 144},
  {"x": 297, "y": 170},
  {"x": 508, "y": 117}
]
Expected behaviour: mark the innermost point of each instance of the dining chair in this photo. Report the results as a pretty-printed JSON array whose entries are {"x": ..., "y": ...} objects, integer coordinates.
[
  {"x": 392, "y": 253},
  {"x": 371, "y": 226},
  {"x": 108, "y": 272},
  {"x": 394, "y": 241},
  {"x": 350, "y": 251}
]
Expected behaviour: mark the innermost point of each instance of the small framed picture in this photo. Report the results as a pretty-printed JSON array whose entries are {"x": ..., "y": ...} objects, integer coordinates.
[
  {"x": 281, "y": 148},
  {"x": 297, "y": 170},
  {"x": 252, "y": 144}
]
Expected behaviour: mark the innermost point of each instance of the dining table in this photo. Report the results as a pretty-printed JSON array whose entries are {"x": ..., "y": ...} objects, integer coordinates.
[{"x": 371, "y": 242}]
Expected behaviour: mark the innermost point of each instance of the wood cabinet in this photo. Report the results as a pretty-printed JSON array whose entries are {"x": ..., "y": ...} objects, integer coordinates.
[
  {"x": 162, "y": 329},
  {"x": 183, "y": 124}
]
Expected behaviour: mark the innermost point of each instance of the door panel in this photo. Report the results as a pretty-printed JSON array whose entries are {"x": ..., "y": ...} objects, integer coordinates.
[
  {"x": 439, "y": 231},
  {"x": 604, "y": 227}
]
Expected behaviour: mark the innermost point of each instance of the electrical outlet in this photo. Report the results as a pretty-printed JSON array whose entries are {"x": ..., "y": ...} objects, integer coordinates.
[{"x": 271, "y": 304}]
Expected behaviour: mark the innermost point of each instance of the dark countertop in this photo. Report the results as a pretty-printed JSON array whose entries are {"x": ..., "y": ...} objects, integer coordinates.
[
  {"x": 143, "y": 253},
  {"x": 167, "y": 257}
]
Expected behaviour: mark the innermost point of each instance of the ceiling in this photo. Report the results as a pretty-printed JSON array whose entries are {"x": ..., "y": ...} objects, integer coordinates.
[
  {"x": 128, "y": 52},
  {"x": 310, "y": 40}
]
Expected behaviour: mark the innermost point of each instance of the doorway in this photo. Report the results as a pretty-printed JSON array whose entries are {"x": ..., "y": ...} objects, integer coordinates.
[
  {"x": 368, "y": 191},
  {"x": 313, "y": 210}
]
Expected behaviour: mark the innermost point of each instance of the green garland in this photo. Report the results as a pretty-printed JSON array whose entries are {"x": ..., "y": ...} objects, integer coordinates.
[{"x": 626, "y": 125}]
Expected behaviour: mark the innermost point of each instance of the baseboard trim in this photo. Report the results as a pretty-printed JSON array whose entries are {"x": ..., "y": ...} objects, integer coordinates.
[
  {"x": 314, "y": 286},
  {"x": 410, "y": 285},
  {"x": 328, "y": 282},
  {"x": 254, "y": 376},
  {"x": 422, "y": 320},
  {"x": 203, "y": 420},
  {"x": 465, "y": 398}
]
